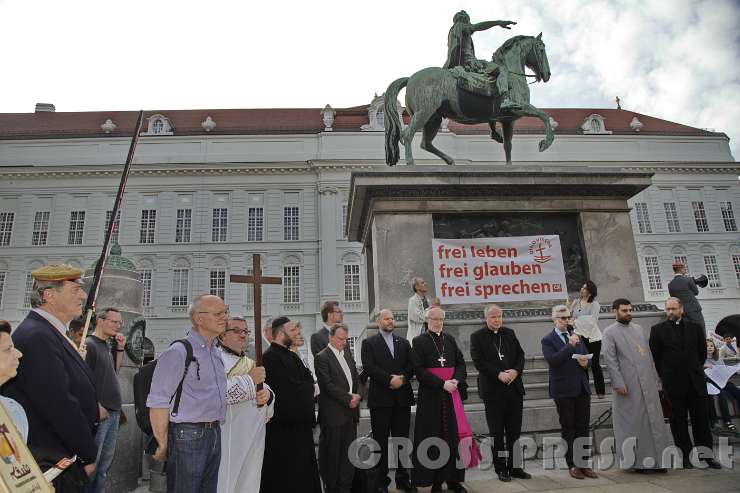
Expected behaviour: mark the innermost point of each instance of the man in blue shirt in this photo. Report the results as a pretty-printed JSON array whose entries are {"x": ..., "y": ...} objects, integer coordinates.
[{"x": 191, "y": 439}]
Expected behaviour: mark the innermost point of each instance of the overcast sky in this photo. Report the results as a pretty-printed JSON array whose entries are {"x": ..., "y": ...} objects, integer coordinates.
[{"x": 674, "y": 59}]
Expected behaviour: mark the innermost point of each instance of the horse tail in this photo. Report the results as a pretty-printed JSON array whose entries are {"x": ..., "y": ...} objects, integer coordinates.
[{"x": 392, "y": 121}]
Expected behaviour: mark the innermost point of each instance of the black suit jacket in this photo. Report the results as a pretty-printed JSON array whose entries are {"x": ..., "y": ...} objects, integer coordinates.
[
  {"x": 335, "y": 396},
  {"x": 379, "y": 365},
  {"x": 679, "y": 352},
  {"x": 489, "y": 365},
  {"x": 55, "y": 387},
  {"x": 319, "y": 340}
]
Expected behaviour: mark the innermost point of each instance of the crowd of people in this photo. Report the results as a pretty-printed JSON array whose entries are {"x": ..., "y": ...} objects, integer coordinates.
[{"x": 223, "y": 424}]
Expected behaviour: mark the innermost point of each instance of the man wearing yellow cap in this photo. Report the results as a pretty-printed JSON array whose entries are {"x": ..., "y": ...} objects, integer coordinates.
[{"x": 54, "y": 384}]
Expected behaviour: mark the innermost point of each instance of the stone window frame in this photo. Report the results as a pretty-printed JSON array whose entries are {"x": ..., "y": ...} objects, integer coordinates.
[
  {"x": 643, "y": 218},
  {"x": 673, "y": 220},
  {"x": 148, "y": 227},
  {"x": 652, "y": 269},
  {"x": 220, "y": 225},
  {"x": 700, "y": 216},
  {"x": 728, "y": 216},
  {"x": 115, "y": 234}
]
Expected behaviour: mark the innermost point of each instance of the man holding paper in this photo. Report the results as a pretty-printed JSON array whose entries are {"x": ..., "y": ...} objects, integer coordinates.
[
  {"x": 569, "y": 387},
  {"x": 636, "y": 411}
]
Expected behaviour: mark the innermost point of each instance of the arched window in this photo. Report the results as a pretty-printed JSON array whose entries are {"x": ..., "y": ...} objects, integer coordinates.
[{"x": 157, "y": 126}]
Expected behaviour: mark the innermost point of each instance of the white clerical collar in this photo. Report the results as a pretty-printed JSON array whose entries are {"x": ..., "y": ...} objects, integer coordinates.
[{"x": 52, "y": 320}]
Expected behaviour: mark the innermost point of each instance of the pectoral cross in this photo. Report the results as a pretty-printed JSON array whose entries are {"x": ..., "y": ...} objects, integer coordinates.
[
  {"x": 441, "y": 360},
  {"x": 500, "y": 356},
  {"x": 640, "y": 350},
  {"x": 257, "y": 280}
]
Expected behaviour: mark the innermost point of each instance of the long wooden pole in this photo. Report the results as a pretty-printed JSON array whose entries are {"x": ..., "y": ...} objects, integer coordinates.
[{"x": 95, "y": 286}]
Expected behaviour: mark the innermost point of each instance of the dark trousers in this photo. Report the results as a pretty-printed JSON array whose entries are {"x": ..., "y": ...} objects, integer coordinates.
[
  {"x": 595, "y": 349},
  {"x": 334, "y": 465},
  {"x": 574, "y": 414},
  {"x": 193, "y": 457},
  {"x": 690, "y": 403},
  {"x": 504, "y": 417},
  {"x": 394, "y": 421}
]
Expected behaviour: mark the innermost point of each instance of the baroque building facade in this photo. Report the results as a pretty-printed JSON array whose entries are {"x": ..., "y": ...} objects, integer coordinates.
[{"x": 210, "y": 188}]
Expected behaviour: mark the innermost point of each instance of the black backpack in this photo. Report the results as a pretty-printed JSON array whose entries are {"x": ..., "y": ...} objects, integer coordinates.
[{"x": 143, "y": 383}]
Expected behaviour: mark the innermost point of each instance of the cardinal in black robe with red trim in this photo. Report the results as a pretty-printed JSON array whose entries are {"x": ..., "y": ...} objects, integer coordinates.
[{"x": 432, "y": 352}]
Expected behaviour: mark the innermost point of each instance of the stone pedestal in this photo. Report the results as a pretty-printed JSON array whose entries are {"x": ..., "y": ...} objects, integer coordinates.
[{"x": 396, "y": 212}]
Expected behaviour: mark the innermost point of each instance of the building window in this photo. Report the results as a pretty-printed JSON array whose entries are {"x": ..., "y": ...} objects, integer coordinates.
[
  {"x": 653, "y": 273},
  {"x": 255, "y": 224},
  {"x": 6, "y": 227},
  {"x": 218, "y": 283},
  {"x": 157, "y": 127},
  {"x": 291, "y": 284},
  {"x": 250, "y": 290},
  {"x": 182, "y": 228},
  {"x": 148, "y": 225},
  {"x": 352, "y": 344},
  {"x": 2, "y": 286},
  {"x": 29, "y": 290},
  {"x": 290, "y": 223},
  {"x": 343, "y": 233},
  {"x": 116, "y": 224},
  {"x": 736, "y": 264},
  {"x": 220, "y": 223},
  {"x": 710, "y": 264},
  {"x": 351, "y": 282},
  {"x": 145, "y": 275},
  {"x": 681, "y": 259},
  {"x": 40, "y": 228},
  {"x": 728, "y": 216},
  {"x": 76, "y": 227},
  {"x": 180, "y": 287},
  {"x": 671, "y": 217},
  {"x": 643, "y": 218},
  {"x": 700, "y": 217}
]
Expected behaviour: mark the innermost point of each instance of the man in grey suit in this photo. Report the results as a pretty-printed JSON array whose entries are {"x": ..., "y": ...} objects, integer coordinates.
[
  {"x": 685, "y": 289},
  {"x": 339, "y": 403}
]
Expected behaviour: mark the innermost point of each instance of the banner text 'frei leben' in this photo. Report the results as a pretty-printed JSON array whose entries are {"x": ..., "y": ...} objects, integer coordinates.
[{"x": 484, "y": 270}]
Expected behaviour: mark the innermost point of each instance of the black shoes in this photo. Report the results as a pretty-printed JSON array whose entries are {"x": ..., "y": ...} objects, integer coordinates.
[
  {"x": 504, "y": 476},
  {"x": 456, "y": 487},
  {"x": 519, "y": 474},
  {"x": 436, "y": 488},
  {"x": 404, "y": 486},
  {"x": 713, "y": 464}
]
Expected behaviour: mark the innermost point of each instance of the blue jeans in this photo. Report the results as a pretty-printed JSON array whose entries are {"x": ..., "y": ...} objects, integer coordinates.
[
  {"x": 105, "y": 440},
  {"x": 193, "y": 456}
]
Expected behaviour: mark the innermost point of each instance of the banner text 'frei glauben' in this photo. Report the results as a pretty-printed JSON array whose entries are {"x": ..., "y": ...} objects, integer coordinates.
[{"x": 485, "y": 270}]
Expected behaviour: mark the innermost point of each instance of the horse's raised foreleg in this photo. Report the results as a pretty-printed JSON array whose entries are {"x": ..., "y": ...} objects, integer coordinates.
[
  {"x": 430, "y": 131},
  {"x": 529, "y": 110},
  {"x": 508, "y": 128}
]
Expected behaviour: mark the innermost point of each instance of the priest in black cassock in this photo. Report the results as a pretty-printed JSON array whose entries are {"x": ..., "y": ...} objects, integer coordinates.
[
  {"x": 440, "y": 368},
  {"x": 289, "y": 462}
]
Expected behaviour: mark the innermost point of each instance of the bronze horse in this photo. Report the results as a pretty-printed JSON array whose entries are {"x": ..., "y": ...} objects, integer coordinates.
[{"x": 433, "y": 93}]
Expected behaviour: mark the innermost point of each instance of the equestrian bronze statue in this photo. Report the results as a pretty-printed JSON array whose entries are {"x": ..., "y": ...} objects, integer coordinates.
[{"x": 469, "y": 91}]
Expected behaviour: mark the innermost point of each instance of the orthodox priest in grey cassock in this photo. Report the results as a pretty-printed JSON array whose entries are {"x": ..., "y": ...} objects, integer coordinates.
[{"x": 637, "y": 414}]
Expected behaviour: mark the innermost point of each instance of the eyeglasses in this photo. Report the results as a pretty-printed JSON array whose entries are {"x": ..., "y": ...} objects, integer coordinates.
[
  {"x": 223, "y": 313},
  {"x": 245, "y": 332}
]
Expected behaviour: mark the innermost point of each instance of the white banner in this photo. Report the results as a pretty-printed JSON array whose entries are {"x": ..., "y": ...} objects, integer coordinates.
[{"x": 488, "y": 270}]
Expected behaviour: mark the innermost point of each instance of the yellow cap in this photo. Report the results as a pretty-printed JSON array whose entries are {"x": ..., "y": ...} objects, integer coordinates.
[{"x": 59, "y": 272}]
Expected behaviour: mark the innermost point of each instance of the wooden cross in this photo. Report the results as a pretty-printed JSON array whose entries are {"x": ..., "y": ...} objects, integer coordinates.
[{"x": 257, "y": 280}]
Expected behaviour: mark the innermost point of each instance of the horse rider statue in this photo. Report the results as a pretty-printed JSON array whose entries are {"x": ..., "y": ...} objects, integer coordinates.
[{"x": 461, "y": 53}]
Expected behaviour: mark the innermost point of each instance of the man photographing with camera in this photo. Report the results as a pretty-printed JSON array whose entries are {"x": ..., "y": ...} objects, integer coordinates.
[{"x": 684, "y": 287}]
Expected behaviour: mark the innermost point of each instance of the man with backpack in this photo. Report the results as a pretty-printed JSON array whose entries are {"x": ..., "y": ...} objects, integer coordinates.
[{"x": 188, "y": 404}]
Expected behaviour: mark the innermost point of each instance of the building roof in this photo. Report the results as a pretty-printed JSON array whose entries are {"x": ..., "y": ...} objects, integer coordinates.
[{"x": 300, "y": 121}]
